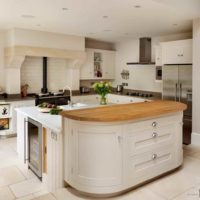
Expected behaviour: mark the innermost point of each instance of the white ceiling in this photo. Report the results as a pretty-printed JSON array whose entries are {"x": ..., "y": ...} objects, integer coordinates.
[{"x": 85, "y": 17}]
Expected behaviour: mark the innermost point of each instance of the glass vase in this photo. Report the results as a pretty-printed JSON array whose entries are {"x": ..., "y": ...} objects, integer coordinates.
[{"x": 103, "y": 100}]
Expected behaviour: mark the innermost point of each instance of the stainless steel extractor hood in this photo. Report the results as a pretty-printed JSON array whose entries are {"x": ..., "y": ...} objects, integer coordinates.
[{"x": 144, "y": 53}]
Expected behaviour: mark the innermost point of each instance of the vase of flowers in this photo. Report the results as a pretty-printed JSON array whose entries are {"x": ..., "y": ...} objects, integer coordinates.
[{"x": 102, "y": 88}]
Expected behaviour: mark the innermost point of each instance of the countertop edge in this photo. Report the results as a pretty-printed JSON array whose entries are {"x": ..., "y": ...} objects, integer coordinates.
[{"x": 140, "y": 111}]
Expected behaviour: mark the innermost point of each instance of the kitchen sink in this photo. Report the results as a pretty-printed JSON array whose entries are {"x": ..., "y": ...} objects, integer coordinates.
[{"x": 73, "y": 106}]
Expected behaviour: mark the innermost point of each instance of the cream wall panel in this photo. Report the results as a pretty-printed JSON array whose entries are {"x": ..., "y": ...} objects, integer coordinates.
[{"x": 59, "y": 74}]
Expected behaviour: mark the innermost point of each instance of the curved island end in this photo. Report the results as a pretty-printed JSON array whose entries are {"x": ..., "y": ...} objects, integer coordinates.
[{"x": 110, "y": 149}]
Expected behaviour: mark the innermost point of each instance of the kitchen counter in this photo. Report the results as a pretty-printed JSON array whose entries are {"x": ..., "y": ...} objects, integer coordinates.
[
  {"x": 156, "y": 95},
  {"x": 124, "y": 112},
  {"x": 53, "y": 122},
  {"x": 15, "y": 98},
  {"x": 108, "y": 150}
]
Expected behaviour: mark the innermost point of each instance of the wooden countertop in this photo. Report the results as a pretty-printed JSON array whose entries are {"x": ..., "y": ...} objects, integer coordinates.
[{"x": 125, "y": 112}]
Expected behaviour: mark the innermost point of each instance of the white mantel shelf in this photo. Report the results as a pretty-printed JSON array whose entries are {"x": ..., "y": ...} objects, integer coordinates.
[{"x": 15, "y": 55}]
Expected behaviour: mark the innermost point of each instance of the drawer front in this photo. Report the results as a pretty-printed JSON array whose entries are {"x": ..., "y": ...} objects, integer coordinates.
[
  {"x": 151, "y": 164},
  {"x": 144, "y": 140},
  {"x": 155, "y": 123}
]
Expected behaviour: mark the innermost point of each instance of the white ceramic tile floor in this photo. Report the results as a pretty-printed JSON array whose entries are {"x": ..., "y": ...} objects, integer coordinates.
[
  {"x": 6, "y": 194},
  {"x": 19, "y": 183},
  {"x": 27, "y": 187}
]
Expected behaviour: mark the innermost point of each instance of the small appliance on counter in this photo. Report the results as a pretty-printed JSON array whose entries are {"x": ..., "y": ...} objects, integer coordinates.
[
  {"x": 84, "y": 89},
  {"x": 120, "y": 88}
]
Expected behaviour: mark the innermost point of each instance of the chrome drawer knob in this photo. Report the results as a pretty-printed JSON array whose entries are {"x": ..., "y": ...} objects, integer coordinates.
[
  {"x": 154, "y": 135},
  {"x": 154, "y": 156},
  {"x": 154, "y": 124}
]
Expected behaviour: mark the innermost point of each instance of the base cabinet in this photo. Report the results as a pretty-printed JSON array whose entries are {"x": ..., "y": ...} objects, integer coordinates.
[
  {"x": 52, "y": 154},
  {"x": 108, "y": 158},
  {"x": 18, "y": 104}
]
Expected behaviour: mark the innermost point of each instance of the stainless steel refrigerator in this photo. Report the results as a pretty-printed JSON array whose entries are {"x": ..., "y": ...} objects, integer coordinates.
[{"x": 177, "y": 86}]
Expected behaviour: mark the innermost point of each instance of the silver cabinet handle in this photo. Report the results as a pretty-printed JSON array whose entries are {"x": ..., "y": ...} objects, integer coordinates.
[
  {"x": 154, "y": 135},
  {"x": 154, "y": 156},
  {"x": 154, "y": 124}
]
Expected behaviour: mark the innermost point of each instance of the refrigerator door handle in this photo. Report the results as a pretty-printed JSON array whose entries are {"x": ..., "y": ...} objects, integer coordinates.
[
  {"x": 180, "y": 92},
  {"x": 176, "y": 91}
]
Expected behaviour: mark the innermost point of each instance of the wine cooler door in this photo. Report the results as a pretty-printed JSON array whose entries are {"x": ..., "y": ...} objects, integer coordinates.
[{"x": 35, "y": 147}]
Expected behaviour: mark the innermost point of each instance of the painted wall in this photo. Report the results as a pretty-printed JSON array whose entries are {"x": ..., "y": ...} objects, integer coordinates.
[
  {"x": 142, "y": 77},
  {"x": 196, "y": 83}
]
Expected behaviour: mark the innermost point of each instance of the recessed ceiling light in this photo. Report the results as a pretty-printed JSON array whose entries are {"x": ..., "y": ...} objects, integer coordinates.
[
  {"x": 137, "y": 6},
  {"x": 107, "y": 30},
  {"x": 65, "y": 9},
  {"x": 28, "y": 16},
  {"x": 105, "y": 16}
]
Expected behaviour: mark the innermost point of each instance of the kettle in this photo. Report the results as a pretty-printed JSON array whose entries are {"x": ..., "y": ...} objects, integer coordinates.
[{"x": 120, "y": 88}]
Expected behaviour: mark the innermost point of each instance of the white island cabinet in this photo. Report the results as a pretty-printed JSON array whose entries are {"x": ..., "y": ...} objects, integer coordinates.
[
  {"x": 105, "y": 157},
  {"x": 52, "y": 144}
]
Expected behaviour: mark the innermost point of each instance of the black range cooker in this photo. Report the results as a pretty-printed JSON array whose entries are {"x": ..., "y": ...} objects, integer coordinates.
[{"x": 58, "y": 99}]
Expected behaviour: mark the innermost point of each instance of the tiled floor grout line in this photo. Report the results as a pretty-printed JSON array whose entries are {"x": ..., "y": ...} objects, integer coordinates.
[
  {"x": 179, "y": 193},
  {"x": 23, "y": 173},
  {"x": 158, "y": 194},
  {"x": 53, "y": 195},
  {"x": 182, "y": 193},
  {"x": 11, "y": 191}
]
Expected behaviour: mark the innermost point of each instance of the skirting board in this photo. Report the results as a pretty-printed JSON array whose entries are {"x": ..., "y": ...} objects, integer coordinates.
[{"x": 196, "y": 138}]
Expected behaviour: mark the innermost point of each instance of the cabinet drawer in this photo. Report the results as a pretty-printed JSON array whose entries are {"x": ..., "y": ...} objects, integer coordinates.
[
  {"x": 154, "y": 124},
  {"x": 152, "y": 164},
  {"x": 145, "y": 140}
]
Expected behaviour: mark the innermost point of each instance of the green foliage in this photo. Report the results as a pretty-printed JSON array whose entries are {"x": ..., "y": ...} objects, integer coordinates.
[{"x": 102, "y": 88}]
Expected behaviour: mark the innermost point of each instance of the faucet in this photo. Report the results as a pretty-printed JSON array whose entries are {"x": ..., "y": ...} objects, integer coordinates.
[{"x": 70, "y": 94}]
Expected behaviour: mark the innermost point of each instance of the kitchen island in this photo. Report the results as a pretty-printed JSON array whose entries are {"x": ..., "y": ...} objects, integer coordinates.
[{"x": 108, "y": 150}]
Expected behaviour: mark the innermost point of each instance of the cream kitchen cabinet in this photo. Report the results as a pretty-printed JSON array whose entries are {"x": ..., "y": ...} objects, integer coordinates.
[
  {"x": 153, "y": 146},
  {"x": 158, "y": 53},
  {"x": 109, "y": 64},
  {"x": 177, "y": 52},
  {"x": 105, "y": 143},
  {"x": 87, "y": 70},
  {"x": 105, "y": 63}
]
